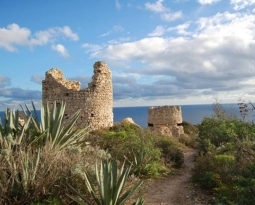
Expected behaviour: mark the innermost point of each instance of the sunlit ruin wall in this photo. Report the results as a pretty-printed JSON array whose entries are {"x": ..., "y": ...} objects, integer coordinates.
[
  {"x": 95, "y": 101},
  {"x": 166, "y": 120}
]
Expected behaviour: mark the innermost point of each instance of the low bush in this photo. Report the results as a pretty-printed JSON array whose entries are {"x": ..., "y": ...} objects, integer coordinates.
[
  {"x": 170, "y": 153},
  {"x": 135, "y": 146},
  {"x": 150, "y": 154},
  {"x": 190, "y": 129},
  {"x": 227, "y": 159}
]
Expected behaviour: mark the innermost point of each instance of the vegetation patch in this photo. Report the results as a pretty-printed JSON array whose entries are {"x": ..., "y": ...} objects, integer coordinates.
[
  {"x": 226, "y": 161},
  {"x": 51, "y": 162}
]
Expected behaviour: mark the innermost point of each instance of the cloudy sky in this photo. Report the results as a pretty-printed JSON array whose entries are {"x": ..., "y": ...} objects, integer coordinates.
[{"x": 160, "y": 52}]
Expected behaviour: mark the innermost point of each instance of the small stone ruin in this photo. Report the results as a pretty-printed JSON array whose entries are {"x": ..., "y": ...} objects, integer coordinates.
[
  {"x": 166, "y": 120},
  {"x": 95, "y": 101}
]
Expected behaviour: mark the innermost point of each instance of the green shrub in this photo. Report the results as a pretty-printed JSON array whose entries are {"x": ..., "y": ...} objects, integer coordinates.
[
  {"x": 137, "y": 147},
  {"x": 170, "y": 153},
  {"x": 188, "y": 140},
  {"x": 190, "y": 129},
  {"x": 221, "y": 131},
  {"x": 226, "y": 163},
  {"x": 125, "y": 126}
]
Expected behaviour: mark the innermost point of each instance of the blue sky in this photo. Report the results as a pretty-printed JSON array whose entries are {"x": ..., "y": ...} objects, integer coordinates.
[{"x": 160, "y": 52}]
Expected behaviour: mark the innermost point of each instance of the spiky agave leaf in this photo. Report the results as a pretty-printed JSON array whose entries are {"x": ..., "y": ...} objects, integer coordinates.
[
  {"x": 139, "y": 201},
  {"x": 110, "y": 187},
  {"x": 53, "y": 129},
  {"x": 80, "y": 195},
  {"x": 91, "y": 188}
]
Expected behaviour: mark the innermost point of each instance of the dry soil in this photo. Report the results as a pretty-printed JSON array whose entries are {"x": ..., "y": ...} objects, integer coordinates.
[{"x": 176, "y": 189}]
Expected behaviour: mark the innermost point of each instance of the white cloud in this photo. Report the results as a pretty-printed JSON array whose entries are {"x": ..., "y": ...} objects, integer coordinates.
[
  {"x": 239, "y": 26},
  {"x": 91, "y": 47},
  {"x": 105, "y": 34},
  {"x": 156, "y": 7},
  {"x": 159, "y": 31},
  {"x": 117, "y": 5},
  {"x": 217, "y": 57},
  {"x": 42, "y": 37},
  {"x": 171, "y": 16},
  {"x": 126, "y": 51},
  {"x": 241, "y": 4},
  {"x": 218, "y": 19},
  {"x": 119, "y": 40},
  {"x": 50, "y": 35},
  {"x": 180, "y": 29},
  {"x": 208, "y": 1},
  {"x": 60, "y": 49},
  {"x": 165, "y": 13},
  {"x": 14, "y": 35},
  {"x": 115, "y": 29},
  {"x": 67, "y": 32}
]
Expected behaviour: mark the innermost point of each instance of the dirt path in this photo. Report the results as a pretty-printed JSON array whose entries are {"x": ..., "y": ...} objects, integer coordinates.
[{"x": 176, "y": 189}]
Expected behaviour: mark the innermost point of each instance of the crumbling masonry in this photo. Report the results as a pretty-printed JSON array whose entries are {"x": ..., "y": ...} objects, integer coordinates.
[
  {"x": 166, "y": 120},
  {"x": 95, "y": 101}
]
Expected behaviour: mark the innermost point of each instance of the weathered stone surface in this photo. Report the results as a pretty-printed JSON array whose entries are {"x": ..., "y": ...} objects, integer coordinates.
[
  {"x": 166, "y": 120},
  {"x": 96, "y": 101},
  {"x": 129, "y": 120}
]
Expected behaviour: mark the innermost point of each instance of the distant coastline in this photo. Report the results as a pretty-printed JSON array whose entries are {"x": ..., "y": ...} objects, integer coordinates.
[{"x": 191, "y": 113}]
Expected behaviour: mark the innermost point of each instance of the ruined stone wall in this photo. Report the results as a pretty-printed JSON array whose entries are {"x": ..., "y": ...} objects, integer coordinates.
[
  {"x": 96, "y": 101},
  {"x": 166, "y": 120}
]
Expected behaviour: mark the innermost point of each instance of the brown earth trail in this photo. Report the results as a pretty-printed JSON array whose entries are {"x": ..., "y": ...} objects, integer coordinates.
[{"x": 176, "y": 189}]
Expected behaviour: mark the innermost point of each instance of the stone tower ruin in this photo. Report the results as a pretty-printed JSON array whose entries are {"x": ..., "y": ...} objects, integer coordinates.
[
  {"x": 95, "y": 101},
  {"x": 166, "y": 120}
]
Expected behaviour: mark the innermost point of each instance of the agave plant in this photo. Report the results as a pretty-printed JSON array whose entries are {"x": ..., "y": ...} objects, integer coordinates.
[
  {"x": 52, "y": 129},
  {"x": 109, "y": 186},
  {"x": 11, "y": 131},
  {"x": 25, "y": 169},
  {"x": 140, "y": 159}
]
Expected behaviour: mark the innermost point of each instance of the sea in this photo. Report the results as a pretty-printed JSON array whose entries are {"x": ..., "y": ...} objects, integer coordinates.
[{"x": 193, "y": 114}]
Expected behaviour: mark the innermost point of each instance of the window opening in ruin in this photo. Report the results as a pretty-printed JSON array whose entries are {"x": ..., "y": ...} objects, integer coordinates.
[
  {"x": 67, "y": 94},
  {"x": 150, "y": 125},
  {"x": 92, "y": 115},
  {"x": 179, "y": 124}
]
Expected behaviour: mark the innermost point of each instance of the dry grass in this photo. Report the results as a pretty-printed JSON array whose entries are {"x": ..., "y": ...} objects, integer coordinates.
[{"x": 54, "y": 169}]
